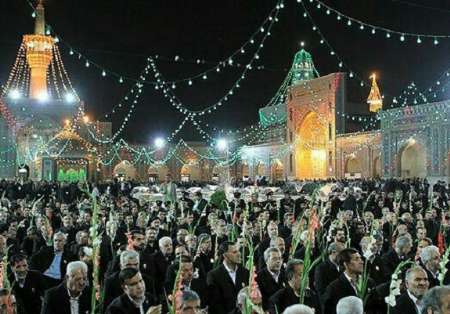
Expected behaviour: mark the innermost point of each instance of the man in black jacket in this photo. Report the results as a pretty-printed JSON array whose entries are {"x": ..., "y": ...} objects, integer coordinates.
[
  {"x": 113, "y": 288},
  {"x": 133, "y": 300},
  {"x": 189, "y": 279},
  {"x": 430, "y": 259},
  {"x": 199, "y": 202},
  {"x": 352, "y": 265},
  {"x": 72, "y": 296},
  {"x": 225, "y": 281},
  {"x": 52, "y": 261},
  {"x": 289, "y": 295},
  {"x": 160, "y": 261},
  {"x": 27, "y": 285},
  {"x": 271, "y": 278},
  {"x": 416, "y": 285},
  {"x": 327, "y": 271},
  {"x": 399, "y": 253}
]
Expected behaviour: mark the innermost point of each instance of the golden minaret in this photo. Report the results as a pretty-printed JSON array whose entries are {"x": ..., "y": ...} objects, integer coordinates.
[
  {"x": 375, "y": 100},
  {"x": 39, "y": 51}
]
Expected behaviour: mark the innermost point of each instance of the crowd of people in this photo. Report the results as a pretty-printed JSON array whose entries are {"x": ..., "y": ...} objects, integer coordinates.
[{"x": 363, "y": 246}]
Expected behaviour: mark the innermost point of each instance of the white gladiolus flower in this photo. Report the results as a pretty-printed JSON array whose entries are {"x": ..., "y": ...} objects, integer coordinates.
[{"x": 390, "y": 300}]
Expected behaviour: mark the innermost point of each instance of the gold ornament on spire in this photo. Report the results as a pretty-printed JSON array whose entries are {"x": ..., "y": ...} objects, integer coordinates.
[{"x": 374, "y": 100}]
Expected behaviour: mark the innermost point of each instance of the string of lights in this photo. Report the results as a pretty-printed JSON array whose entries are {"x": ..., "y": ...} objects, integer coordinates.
[
  {"x": 215, "y": 68},
  {"x": 168, "y": 88},
  {"x": 388, "y": 33},
  {"x": 323, "y": 41}
]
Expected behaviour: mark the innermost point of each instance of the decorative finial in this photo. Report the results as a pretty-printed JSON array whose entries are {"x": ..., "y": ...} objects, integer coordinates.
[{"x": 375, "y": 100}]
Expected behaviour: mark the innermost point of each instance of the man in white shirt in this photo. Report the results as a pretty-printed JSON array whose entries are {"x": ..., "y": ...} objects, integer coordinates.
[
  {"x": 417, "y": 285},
  {"x": 72, "y": 296}
]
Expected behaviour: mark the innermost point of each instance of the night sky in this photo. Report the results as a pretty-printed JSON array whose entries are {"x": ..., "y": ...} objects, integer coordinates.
[{"x": 120, "y": 34}]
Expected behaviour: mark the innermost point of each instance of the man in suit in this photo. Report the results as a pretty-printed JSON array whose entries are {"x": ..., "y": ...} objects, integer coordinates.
[
  {"x": 52, "y": 261},
  {"x": 138, "y": 244},
  {"x": 225, "y": 281},
  {"x": 431, "y": 258},
  {"x": 199, "y": 202},
  {"x": 350, "y": 261},
  {"x": 272, "y": 233},
  {"x": 189, "y": 280},
  {"x": 160, "y": 261},
  {"x": 416, "y": 285},
  {"x": 133, "y": 300},
  {"x": 289, "y": 295},
  {"x": 27, "y": 285},
  {"x": 399, "y": 253},
  {"x": 151, "y": 243},
  {"x": 113, "y": 288},
  {"x": 72, "y": 296},
  {"x": 203, "y": 257},
  {"x": 271, "y": 278},
  {"x": 371, "y": 252},
  {"x": 327, "y": 271}
]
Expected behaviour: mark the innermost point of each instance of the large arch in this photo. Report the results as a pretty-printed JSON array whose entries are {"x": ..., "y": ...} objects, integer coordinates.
[
  {"x": 353, "y": 166},
  {"x": 277, "y": 170},
  {"x": 158, "y": 171},
  {"x": 412, "y": 160},
  {"x": 260, "y": 169},
  {"x": 192, "y": 170},
  {"x": 310, "y": 151},
  {"x": 245, "y": 169},
  {"x": 125, "y": 169}
]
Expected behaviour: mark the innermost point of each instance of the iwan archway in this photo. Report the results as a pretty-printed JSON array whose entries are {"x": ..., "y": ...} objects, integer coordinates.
[
  {"x": 413, "y": 160},
  {"x": 310, "y": 148}
]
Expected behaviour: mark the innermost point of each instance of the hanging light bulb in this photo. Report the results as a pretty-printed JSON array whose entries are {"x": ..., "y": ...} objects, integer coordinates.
[
  {"x": 339, "y": 17},
  {"x": 419, "y": 41},
  {"x": 402, "y": 38},
  {"x": 190, "y": 82},
  {"x": 87, "y": 64},
  {"x": 373, "y": 31},
  {"x": 328, "y": 12},
  {"x": 120, "y": 80},
  {"x": 349, "y": 22},
  {"x": 351, "y": 74},
  {"x": 435, "y": 42},
  {"x": 361, "y": 27},
  {"x": 388, "y": 35},
  {"x": 103, "y": 73},
  {"x": 33, "y": 15}
]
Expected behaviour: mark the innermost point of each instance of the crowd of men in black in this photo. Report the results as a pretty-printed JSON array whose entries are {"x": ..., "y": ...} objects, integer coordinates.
[{"x": 366, "y": 227}]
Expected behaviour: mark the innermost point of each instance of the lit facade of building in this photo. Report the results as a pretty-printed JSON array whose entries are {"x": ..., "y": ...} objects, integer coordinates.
[
  {"x": 310, "y": 133},
  {"x": 320, "y": 141},
  {"x": 42, "y": 116}
]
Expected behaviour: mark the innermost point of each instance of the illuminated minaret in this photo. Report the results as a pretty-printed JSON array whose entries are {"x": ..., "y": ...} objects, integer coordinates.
[
  {"x": 39, "y": 52},
  {"x": 374, "y": 100}
]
